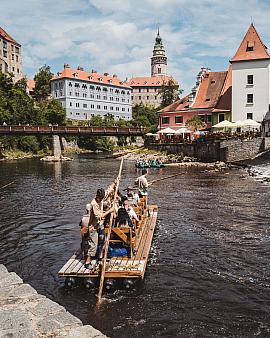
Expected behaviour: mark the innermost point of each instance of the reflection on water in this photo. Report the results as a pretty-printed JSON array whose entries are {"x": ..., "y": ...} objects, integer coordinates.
[{"x": 208, "y": 273}]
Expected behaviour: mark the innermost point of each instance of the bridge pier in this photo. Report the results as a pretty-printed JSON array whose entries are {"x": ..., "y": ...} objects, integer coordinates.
[{"x": 57, "y": 148}]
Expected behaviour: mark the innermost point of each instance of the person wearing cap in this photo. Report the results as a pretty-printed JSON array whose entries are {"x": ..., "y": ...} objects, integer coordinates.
[{"x": 95, "y": 224}]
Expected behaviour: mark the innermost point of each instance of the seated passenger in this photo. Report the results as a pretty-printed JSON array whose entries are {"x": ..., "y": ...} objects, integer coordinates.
[{"x": 132, "y": 196}]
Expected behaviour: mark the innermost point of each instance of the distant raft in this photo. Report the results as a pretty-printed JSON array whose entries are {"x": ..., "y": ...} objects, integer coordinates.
[{"x": 141, "y": 164}]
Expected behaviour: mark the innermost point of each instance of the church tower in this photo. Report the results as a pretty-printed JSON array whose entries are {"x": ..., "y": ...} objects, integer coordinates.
[{"x": 159, "y": 58}]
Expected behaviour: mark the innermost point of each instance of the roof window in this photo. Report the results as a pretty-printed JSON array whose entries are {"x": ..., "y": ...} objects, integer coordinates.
[
  {"x": 250, "y": 46},
  {"x": 207, "y": 99}
]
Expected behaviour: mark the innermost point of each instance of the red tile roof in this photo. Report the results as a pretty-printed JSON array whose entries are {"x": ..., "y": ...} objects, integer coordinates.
[
  {"x": 7, "y": 37},
  {"x": 225, "y": 100},
  {"x": 179, "y": 105},
  {"x": 251, "y": 48},
  {"x": 209, "y": 90},
  {"x": 150, "y": 81},
  {"x": 31, "y": 85},
  {"x": 93, "y": 76}
]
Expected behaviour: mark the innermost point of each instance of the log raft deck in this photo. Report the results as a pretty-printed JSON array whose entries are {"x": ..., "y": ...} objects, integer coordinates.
[{"x": 120, "y": 267}]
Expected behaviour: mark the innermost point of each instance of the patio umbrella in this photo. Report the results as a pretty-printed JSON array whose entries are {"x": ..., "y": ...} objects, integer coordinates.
[
  {"x": 250, "y": 123},
  {"x": 183, "y": 131},
  {"x": 167, "y": 131},
  {"x": 224, "y": 124},
  {"x": 149, "y": 134}
]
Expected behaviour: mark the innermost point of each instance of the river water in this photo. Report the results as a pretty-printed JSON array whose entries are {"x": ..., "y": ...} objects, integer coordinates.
[{"x": 208, "y": 273}]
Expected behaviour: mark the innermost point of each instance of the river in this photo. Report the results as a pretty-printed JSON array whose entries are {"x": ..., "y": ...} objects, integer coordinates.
[{"x": 208, "y": 273}]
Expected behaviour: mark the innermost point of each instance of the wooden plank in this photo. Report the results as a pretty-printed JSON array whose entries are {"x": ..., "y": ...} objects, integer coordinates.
[
  {"x": 68, "y": 263},
  {"x": 120, "y": 234}
]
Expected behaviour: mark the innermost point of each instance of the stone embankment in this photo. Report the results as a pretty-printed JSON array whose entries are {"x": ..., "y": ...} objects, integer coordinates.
[{"x": 26, "y": 314}]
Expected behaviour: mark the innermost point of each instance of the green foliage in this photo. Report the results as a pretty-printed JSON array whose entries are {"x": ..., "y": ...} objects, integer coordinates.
[
  {"x": 169, "y": 93},
  {"x": 52, "y": 112},
  {"x": 195, "y": 123},
  {"x": 104, "y": 144},
  {"x": 42, "y": 88},
  {"x": 145, "y": 116},
  {"x": 28, "y": 143}
]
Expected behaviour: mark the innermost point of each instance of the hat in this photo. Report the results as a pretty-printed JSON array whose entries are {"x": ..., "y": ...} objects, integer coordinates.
[
  {"x": 88, "y": 206},
  {"x": 130, "y": 187}
]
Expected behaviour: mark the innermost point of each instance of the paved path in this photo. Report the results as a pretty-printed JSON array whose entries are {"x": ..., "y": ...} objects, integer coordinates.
[{"x": 26, "y": 314}]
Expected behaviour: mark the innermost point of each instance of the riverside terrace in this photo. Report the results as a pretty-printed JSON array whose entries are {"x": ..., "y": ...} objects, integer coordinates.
[{"x": 70, "y": 130}]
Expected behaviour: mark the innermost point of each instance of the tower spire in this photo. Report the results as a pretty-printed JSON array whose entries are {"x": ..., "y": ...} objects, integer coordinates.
[{"x": 159, "y": 58}]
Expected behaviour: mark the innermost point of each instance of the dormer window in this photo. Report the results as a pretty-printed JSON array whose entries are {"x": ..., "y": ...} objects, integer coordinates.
[
  {"x": 250, "y": 46},
  {"x": 207, "y": 99},
  {"x": 110, "y": 81},
  {"x": 75, "y": 74},
  {"x": 100, "y": 79},
  {"x": 145, "y": 82}
]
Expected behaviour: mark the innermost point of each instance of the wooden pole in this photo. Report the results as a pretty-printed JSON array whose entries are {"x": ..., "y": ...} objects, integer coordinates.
[
  {"x": 165, "y": 178},
  {"x": 7, "y": 185},
  {"x": 106, "y": 246}
]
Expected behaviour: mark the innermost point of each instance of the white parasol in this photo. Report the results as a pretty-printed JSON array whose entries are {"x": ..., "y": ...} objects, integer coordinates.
[
  {"x": 224, "y": 124},
  {"x": 167, "y": 131}
]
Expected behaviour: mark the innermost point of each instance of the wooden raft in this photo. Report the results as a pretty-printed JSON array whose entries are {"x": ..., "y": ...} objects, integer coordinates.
[{"x": 119, "y": 267}]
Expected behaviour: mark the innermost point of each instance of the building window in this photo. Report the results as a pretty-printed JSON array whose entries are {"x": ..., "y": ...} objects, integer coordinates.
[
  {"x": 85, "y": 105},
  {"x": 13, "y": 57},
  {"x": 17, "y": 58},
  {"x": 70, "y": 104},
  {"x": 221, "y": 117},
  {"x": 159, "y": 70},
  {"x": 98, "y": 97},
  {"x": 117, "y": 108},
  {"x": 111, "y": 108},
  {"x": 208, "y": 118},
  {"x": 105, "y": 107},
  {"x": 77, "y": 94},
  {"x": 77, "y": 85},
  {"x": 250, "y": 79},
  {"x": 249, "y": 98},
  {"x": 147, "y": 97},
  {"x": 17, "y": 50},
  {"x": 123, "y": 109},
  {"x": 178, "y": 119},
  {"x": 13, "y": 69},
  {"x": 98, "y": 106},
  {"x": 5, "y": 53},
  {"x": 70, "y": 84},
  {"x": 165, "y": 119},
  {"x": 131, "y": 97},
  {"x": 140, "y": 97},
  {"x": 250, "y": 116},
  {"x": 70, "y": 93},
  {"x": 77, "y": 105},
  {"x": 4, "y": 44}
]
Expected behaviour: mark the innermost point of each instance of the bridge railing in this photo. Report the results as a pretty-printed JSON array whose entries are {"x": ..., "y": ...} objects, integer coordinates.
[{"x": 70, "y": 130}]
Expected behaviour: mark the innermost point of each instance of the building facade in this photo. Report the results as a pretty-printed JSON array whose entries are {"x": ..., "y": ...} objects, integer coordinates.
[
  {"x": 250, "y": 78},
  {"x": 10, "y": 55},
  {"x": 85, "y": 94},
  {"x": 209, "y": 94},
  {"x": 147, "y": 89}
]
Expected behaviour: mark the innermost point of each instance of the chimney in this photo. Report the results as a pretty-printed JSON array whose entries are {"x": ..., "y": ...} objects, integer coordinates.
[
  {"x": 94, "y": 71},
  {"x": 114, "y": 75},
  {"x": 106, "y": 74},
  {"x": 80, "y": 68},
  {"x": 66, "y": 65}
]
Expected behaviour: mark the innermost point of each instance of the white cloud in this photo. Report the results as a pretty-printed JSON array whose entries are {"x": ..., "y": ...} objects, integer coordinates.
[{"x": 118, "y": 35}]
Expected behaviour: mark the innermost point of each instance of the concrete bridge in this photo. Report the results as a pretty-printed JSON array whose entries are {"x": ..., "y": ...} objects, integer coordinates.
[{"x": 57, "y": 132}]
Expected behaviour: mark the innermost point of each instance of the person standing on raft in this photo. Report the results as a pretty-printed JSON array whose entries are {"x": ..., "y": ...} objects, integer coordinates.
[
  {"x": 90, "y": 230},
  {"x": 142, "y": 184}
]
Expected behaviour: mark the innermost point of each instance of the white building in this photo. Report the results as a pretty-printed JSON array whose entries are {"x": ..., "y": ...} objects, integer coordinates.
[
  {"x": 250, "y": 78},
  {"x": 85, "y": 95}
]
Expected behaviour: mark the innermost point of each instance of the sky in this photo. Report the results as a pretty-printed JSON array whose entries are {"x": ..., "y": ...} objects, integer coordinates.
[{"x": 117, "y": 36}]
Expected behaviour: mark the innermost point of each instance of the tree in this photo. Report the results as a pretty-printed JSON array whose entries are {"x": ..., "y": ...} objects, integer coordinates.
[
  {"x": 51, "y": 111},
  {"x": 145, "y": 116},
  {"x": 169, "y": 93},
  {"x": 195, "y": 123},
  {"x": 42, "y": 80}
]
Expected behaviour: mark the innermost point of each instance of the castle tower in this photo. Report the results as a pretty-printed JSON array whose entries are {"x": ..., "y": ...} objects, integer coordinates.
[{"x": 159, "y": 58}]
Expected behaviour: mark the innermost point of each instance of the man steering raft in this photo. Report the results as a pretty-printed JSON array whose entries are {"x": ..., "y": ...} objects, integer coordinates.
[{"x": 94, "y": 225}]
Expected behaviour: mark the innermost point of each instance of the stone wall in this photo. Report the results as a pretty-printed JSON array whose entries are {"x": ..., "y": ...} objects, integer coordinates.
[
  {"x": 238, "y": 150},
  {"x": 26, "y": 314},
  {"x": 228, "y": 150}
]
